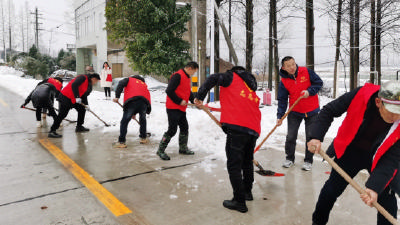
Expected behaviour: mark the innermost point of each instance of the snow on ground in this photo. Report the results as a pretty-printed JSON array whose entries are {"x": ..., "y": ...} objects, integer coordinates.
[{"x": 204, "y": 134}]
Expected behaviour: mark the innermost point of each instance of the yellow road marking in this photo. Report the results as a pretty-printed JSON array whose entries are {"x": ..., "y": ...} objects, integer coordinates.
[
  {"x": 3, "y": 103},
  {"x": 108, "y": 199}
]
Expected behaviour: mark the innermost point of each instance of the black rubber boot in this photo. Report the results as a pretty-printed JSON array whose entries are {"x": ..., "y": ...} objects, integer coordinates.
[
  {"x": 183, "y": 148},
  {"x": 163, "y": 145},
  {"x": 235, "y": 205}
]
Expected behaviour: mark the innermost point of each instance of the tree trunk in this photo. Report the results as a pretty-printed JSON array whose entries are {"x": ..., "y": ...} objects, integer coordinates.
[
  {"x": 216, "y": 46},
  {"x": 337, "y": 54},
  {"x": 270, "y": 46},
  {"x": 309, "y": 34},
  {"x": 230, "y": 27},
  {"x": 4, "y": 32},
  {"x": 202, "y": 37},
  {"x": 351, "y": 15},
  {"x": 356, "y": 42},
  {"x": 378, "y": 39},
  {"x": 372, "y": 45},
  {"x": 276, "y": 56},
  {"x": 249, "y": 35}
]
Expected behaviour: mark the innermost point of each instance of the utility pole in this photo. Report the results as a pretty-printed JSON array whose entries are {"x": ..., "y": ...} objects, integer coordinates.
[
  {"x": 22, "y": 31},
  {"x": 9, "y": 27},
  {"x": 4, "y": 36},
  {"x": 37, "y": 28},
  {"x": 27, "y": 25}
]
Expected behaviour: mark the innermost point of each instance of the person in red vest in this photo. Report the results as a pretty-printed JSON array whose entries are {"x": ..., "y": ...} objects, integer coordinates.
[
  {"x": 178, "y": 95},
  {"x": 136, "y": 100},
  {"x": 43, "y": 97},
  {"x": 241, "y": 121},
  {"x": 74, "y": 95},
  {"x": 367, "y": 139},
  {"x": 297, "y": 81}
]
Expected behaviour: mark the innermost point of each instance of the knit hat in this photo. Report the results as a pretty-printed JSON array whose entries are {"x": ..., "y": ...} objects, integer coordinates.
[{"x": 390, "y": 96}]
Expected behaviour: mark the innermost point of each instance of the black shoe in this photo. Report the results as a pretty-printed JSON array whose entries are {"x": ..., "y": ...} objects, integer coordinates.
[
  {"x": 186, "y": 152},
  {"x": 163, "y": 155},
  {"x": 248, "y": 196},
  {"x": 53, "y": 134},
  {"x": 235, "y": 205},
  {"x": 81, "y": 129}
]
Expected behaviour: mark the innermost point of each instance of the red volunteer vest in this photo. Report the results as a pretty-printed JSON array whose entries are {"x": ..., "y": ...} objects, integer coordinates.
[
  {"x": 239, "y": 105},
  {"x": 295, "y": 87},
  {"x": 135, "y": 88},
  {"x": 353, "y": 121},
  {"x": 67, "y": 90},
  {"x": 183, "y": 91},
  {"x": 56, "y": 83}
]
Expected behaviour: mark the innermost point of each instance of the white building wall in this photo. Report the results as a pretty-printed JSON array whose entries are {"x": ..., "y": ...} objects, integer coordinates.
[{"x": 91, "y": 38}]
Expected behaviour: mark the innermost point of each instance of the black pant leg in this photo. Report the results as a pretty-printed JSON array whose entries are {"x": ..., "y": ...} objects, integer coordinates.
[
  {"x": 308, "y": 125},
  {"x": 173, "y": 119},
  {"x": 183, "y": 124},
  {"x": 351, "y": 162},
  {"x": 293, "y": 122},
  {"x": 235, "y": 153},
  {"x": 387, "y": 200},
  {"x": 38, "y": 114},
  {"x": 142, "y": 120},
  {"x": 52, "y": 112},
  {"x": 248, "y": 167},
  {"x": 81, "y": 114},
  {"x": 63, "y": 112},
  {"x": 126, "y": 118}
]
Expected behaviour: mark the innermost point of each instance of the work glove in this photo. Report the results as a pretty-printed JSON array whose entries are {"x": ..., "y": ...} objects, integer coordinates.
[
  {"x": 23, "y": 106},
  {"x": 78, "y": 101}
]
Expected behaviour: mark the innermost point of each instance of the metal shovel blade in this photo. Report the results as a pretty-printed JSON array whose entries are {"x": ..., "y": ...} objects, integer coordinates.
[{"x": 269, "y": 173}]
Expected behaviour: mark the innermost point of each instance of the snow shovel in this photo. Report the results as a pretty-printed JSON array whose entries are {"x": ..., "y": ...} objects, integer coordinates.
[
  {"x": 71, "y": 121},
  {"x": 106, "y": 124},
  {"x": 262, "y": 171},
  {"x": 148, "y": 134},
  {"x": 355, "y": 185}
]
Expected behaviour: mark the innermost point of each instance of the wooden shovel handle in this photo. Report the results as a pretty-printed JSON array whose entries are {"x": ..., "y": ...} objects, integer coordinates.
[
  {"x": 94, "y": 114},
  {"x": 283, "y": 117},
  {"x": 358, "y": 188},
  {"x": 132, "y": 118}
]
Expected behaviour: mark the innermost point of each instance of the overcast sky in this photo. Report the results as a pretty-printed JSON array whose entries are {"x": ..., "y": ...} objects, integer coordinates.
[{"x": 57, "y": 18}]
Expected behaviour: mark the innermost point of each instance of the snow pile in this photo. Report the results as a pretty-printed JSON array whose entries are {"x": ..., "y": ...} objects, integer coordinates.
[{"x": 10, "y": 71}]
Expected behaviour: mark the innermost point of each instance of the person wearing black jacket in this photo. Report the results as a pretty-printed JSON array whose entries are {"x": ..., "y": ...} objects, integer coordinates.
[
  {"x": 367, "y": 139},
  {"x": 136, "y": 100},
  {"x": 178, "y": 95},
  {"x": 241, "y": 121},
  {"x": 42, "y": 97},
  {"x": 74, "y": 95}
]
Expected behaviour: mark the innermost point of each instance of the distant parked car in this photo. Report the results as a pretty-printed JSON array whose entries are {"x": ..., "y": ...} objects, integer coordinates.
[
  {"x": 115, "y": 82},
  {"x": 66, "y": 75}
]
